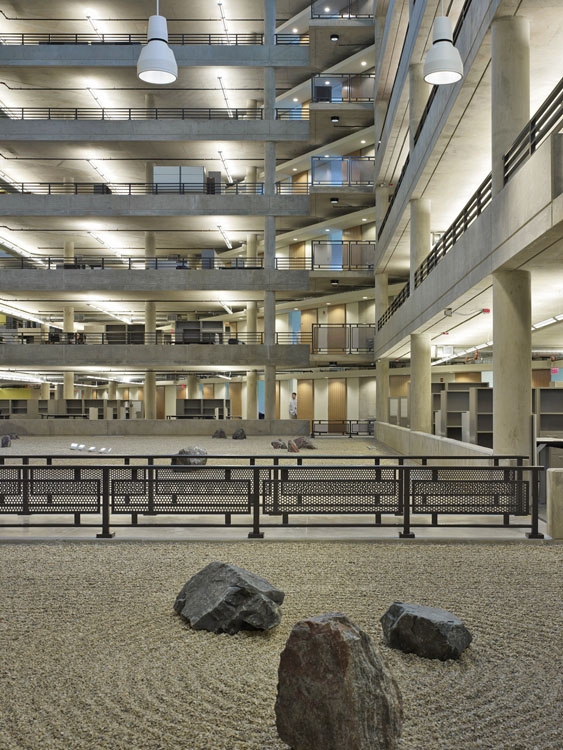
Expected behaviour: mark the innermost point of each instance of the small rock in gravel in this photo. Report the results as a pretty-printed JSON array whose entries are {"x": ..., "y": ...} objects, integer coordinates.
[
  {"x": 426, "y": 631},
  {"x": 291, "y": 447},
  {"x": 14, "y": 437},
  {"x": 335, "y": 691},
  {"x": 224, "y": 598},
  {"x": 304, "y": 442},
  {"x": 192, "y": 456},
  {"x": 239, "y": 434},
  {"x": 279, "y": 444},
  {"x": 6, "y": 442},
  {"x": 219, "y": 434}
]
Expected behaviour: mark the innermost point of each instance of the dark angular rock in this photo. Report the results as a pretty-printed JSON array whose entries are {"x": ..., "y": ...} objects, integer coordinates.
[
  {"x": 14, "y": 437},
  {"x": 224, "y": 598},
  {"x": 335, "y": 691},
  {"x": 304, "y": 442},
  {"x": 192, "y": 456},
  {"x": 425, "y": 631},
  {"x": 291, "y": 447},
  {"x": 219, "y": 434},
  {"x": 6, "y": 442},
  {"x": 279, "y": 444},
  {"x": 239, "y": 434}
]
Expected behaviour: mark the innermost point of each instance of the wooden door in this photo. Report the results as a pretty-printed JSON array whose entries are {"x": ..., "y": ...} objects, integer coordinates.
[
  {"x": 277, "y": 399},
  {"x": 337, "y": 405},
  {"x": 235, "y": 394},
  {"x": 308, "y": 319},
  {"x": 208, "y": 390},
  {"x": 305, "y": 401},
  {"x": 160, "y": 403}
]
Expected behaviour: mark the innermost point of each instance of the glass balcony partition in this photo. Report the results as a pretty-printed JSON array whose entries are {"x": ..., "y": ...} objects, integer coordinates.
[
  {"x": 343, "y": 88},
  {"x": 342, "y": 170}
]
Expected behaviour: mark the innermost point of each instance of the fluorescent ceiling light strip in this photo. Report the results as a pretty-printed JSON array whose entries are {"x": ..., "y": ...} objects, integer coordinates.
[
  {"x": 16, "y": 312},
  {"x": 111, "y": 314},
  {"x": 224, "y": 22},
  {"x": 226, "y": 307},
  {"x": 21, "y": 377},
  {"x": 226, "y": 168},
  {"x": 104, "y": 243},
  {"x": 224, "y": 235},
  {"x": 225, "y": 97},
  {"x": 21, "y": 251}
]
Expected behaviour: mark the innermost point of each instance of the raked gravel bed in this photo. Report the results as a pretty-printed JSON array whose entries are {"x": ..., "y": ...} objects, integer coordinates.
[{"x": 93, "y": 658}]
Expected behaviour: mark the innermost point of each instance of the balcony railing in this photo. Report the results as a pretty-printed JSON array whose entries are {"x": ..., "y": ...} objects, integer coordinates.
[
  {"x": 129, "y": 113},
  {"x": 230, "y": 40},
  {"x": 292, "y": 188},
  {"x": 292, "y": 113},
  {"x": 392, "y": 199},
  {"x": 399, "y": 300},
  {"x": 131, "y": 338},
  {"x": 334, "y": 256},
  {"x": 133, "y": 188},
  {"x": 472, "y": 210},
  {"x": 338, "y": 88},
  {"x": 128, "y": 263},
  {"x": 545, "y": 120},
  {"x": 342, "y": 9},
  {"x": 342, "y": 338},
  {"x": 342, "y": 171}
]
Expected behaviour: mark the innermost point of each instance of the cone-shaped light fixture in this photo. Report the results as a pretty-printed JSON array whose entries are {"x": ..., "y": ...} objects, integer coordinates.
[
  {"x": 157, "y": 63},
  {"x": 443, "y": 62}
]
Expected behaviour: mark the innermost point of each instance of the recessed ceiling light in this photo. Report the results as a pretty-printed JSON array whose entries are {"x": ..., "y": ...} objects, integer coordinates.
[
  {"x": 334, "y": 37},
  {"x": 295, "y": 99},
  {"x": 295, "y": 239},
  {"x": 295, "y": 31},
  {"x": 326, "y": 156},
  {"x": 362, "y": 141},
  {"x": 296, "y": 308},
  {"x": 328, "y": 304},
  {"x": 364, "y": 298},
  {"x": 327, "y": 83},
  {"x": 327, "y": 10},
  {"x": 294, "y": 169},
  {"x": 364, "y": 219},
  {"x": 327, "y": 230},
  {"x": 364, "y": 63}
]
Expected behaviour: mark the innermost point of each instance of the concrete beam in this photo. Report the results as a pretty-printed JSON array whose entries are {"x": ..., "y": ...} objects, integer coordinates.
[
  {"x": 39, "y": 356},
  {"x": 171, "y": 204},
  {"x": 126, "y": 55},
  {"x": 155, "y": 130}
]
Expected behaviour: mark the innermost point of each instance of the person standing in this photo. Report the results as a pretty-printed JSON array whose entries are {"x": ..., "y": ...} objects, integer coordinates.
[{"x": 293, "y": 406}]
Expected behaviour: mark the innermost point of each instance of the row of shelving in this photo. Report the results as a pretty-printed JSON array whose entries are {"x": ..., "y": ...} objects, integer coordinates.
[{"x": 464, "y": 411}]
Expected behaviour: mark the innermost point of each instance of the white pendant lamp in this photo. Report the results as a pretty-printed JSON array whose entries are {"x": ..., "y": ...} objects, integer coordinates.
[
  {"x": 157, "y": 63},
  {"x": 443, "y": 62}
]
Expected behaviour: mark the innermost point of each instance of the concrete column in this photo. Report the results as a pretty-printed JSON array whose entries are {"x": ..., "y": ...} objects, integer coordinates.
[
  {"x": 269, "y": 168},
  {"x": 112, "y": 390},
  {"x": 421, "y": 383},
  {"x": 251, "y": 104},
  {"x": 251, "y": 178},
  {"x": 512, "y": 362},
  {"x": 555, "y": 503},
  {"x": 269, "y": 94},
  {"x": 270, "y": 392},
  {"x": 193, "y": 387},
  {"x": 59, "y": 391},
  {"x": 419, "y": 91},
  {"x": 150, "y": 395},
  {"x": 269, "y": 318},
  {"x": 382, "y": 390},
  {"x": 149, "y": 175},
  {"x": 510, "y": 87},
  {"x": 69, "y": 251},
  {"x": 270, "y": 242},
  {"x": 251, "y": 246},
  {"x": 150, "y": 322},
  {"x": 269, "y": 22},
  {"x": 381, "y": 294},
  {"x": 150, "y": 249},
  {"x": 381, "y": 206},
  {"x": 420, "y": 234},
  {"x": 44, "y": 392},
  {"x": 68, "y": 386},
  {"x": 252, "y": 316},
  {"x": 251, "y": 395}
]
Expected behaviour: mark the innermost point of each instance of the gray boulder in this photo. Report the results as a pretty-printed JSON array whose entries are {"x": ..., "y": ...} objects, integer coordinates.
[
  {"x": 239, "y": 434},
  {"x": 219, "y": 434},
  {"x": 190, "y": 457},
  {"x": 292, "y": 447},
  {"x": 14, "y": 437},
  {"x": 6, "y": 441},
  {"x": 425, "y": 631},
  {"x": 335, "y": 691},
  {"x": 224, "y": 598},
  {"x": 279, "y": 444},
  {"x": 304, "y": 442}
]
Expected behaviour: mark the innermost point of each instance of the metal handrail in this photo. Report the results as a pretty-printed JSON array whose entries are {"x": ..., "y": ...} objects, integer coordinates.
[
  {"x": 292, "y": 113},
  {"x": 57, "y": 337},
  {"x": 293, "y": 188},
  {"x": 395, "y": 192},
  {"x": 545, "y": 120},
  {"x": 130, "y": 262},
  {"x": 99, "y": 38},
  {"x": 348, "y": 11},
  {"x": 471, "y": 211},
  {"x": 399, "y": 300},
  {"x": 129, "y": 113},
  {"x": 133, "y": 188},
  {"x": 254, "y": 39}
]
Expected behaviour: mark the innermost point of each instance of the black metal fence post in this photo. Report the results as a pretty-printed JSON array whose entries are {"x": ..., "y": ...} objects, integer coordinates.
[
  {"x": 406, "y": 533},
  {"x": 151, "y": 477},
  {"x": 26, "y": 478},
  {"x": 105, "y": 533},
  {"x": 534, "y": 532},
  {"x": 256, "y": 533}
]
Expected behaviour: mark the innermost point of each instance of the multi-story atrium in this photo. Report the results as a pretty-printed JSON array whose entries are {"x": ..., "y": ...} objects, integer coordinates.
[{"x": 337, "y": 220}]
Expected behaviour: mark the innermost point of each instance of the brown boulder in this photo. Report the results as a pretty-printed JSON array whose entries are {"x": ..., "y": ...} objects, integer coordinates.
[{"x": 335, "y": 691}]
